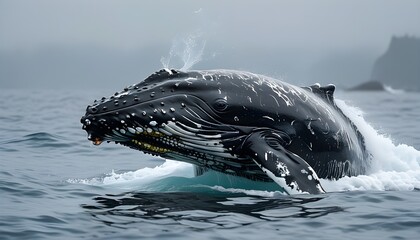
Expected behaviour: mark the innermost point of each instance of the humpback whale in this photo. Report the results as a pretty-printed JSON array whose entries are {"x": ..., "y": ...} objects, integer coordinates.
[{"x": 234, "y": 122}]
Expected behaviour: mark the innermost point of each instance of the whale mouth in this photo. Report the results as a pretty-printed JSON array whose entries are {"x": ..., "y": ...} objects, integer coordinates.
[
  {"x": 145, "y": 139},
  {"x": 190, "y": 134}
]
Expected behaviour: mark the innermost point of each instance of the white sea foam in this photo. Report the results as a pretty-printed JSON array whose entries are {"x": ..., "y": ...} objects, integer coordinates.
[
  {"x": 261, "y": 193},
  {"x": 393, "y": 90},
  {"x": 139, "y": 179},
  {"x": 394, "y": 167}
]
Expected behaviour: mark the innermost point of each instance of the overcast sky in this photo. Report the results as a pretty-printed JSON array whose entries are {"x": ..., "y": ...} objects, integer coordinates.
[
  {"x": 133, "y": 24},
  {"x": 306, "y": 37}
]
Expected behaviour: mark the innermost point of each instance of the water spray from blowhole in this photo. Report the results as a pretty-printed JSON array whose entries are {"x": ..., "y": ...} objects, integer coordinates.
[{"x": 185, "y": 52}]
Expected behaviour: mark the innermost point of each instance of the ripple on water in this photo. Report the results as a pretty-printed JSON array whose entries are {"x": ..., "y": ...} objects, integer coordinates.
[
  {"x": 37, "y": 140},
  {"x": 205, "y": 207},
  {"x": 20, "y": 190}
]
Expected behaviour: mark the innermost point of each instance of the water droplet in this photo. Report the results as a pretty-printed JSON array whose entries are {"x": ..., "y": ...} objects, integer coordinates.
[
  {"x": 144, "y": 113},
  {"x": 236, "y": 119},
  {"x": 172, "y": 109}
]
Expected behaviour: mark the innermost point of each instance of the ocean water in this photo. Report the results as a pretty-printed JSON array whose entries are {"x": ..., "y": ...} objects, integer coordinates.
[{"x": 54, "y": 184}]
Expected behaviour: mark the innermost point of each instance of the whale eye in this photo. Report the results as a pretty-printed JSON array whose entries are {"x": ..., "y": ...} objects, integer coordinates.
[{"x": 220, "y": 104}]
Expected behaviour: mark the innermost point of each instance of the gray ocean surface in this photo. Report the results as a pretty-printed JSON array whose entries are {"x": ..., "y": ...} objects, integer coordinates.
[{"x": 54, "y": 184}]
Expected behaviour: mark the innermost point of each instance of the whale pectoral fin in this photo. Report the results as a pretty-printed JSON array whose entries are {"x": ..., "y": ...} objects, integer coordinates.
[{"x": 287, "y": 169}]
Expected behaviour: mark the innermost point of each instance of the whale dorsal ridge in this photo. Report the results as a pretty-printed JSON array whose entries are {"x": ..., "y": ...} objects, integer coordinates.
[{"x": 326, "y": 92}]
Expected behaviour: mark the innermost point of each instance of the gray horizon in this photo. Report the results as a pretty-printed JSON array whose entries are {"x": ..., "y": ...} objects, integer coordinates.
[{"x": 109, "y": 44}]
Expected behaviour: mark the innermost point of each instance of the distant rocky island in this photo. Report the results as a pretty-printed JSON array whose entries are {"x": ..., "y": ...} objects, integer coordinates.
[
  {"x": 399, "y": 66},
  {"x": 369, "y": 86}
]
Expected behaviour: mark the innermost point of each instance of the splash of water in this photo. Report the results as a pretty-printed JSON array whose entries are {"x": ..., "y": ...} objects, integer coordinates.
[
  {"x": 187, "y": 51},
  {"x": 394, "y": 167}
]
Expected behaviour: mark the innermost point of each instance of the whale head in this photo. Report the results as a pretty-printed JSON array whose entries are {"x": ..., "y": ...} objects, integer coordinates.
[{"x": 194, "y": 117}]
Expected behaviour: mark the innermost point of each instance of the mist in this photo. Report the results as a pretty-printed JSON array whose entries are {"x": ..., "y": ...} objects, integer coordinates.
[{"x": 111, "y": 44}]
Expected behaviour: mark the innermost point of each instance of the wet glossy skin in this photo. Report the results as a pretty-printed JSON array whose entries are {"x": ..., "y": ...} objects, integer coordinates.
[{"x": 208, "y": 118}]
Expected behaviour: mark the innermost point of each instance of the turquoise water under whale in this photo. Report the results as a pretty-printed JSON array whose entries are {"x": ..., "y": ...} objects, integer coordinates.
[{"x": 54, "y": 184}]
